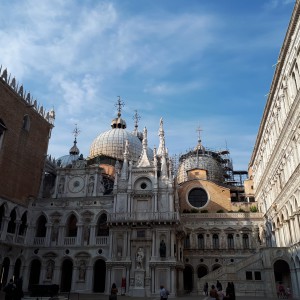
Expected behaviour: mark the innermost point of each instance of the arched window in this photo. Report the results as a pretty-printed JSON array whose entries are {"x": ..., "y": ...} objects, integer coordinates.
[
  {"x": 11, "y": 227},
  {"x": 23, "y": 225},
  {"x": 230, "y": 242},
  {"x": 41, "y": 226},
  {"x": 102, "y": 228},
  {"x": 72, "y": 226},
  {"x": 26, "y": 123},
  {"x": 215, "y": 238},
  {"x": 245, "y": 241},
  {"x": 200, "y": 241}
]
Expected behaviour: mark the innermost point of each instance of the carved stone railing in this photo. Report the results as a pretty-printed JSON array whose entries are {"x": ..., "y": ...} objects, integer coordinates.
[
  {"x": 39, "y": 241},
  {"x": 70, "y": 240},
  {"x": 101, "y": 240},
  {"x": 143, "y": 217},
  {"x": 232, "y": 215}
]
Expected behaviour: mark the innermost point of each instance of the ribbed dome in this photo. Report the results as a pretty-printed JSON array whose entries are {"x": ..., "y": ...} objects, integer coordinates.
[
  {"x": 111, "y": 143},
  {"x": 67, "y": 160}
]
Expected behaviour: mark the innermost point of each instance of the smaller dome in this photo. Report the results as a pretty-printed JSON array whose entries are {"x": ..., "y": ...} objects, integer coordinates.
[{"x": 66, "y": 160}]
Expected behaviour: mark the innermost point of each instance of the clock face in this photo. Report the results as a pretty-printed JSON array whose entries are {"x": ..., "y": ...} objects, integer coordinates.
[{"x": 76, "y": 184}]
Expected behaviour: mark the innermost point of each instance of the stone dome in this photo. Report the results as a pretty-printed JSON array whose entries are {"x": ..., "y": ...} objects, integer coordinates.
[
  {"x": 111, "y": 143},
  {"x": 67, "y": 160}
]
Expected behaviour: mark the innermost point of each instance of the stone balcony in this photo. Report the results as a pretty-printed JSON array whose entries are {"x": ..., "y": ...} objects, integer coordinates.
[{"x": 144, "y": 217}]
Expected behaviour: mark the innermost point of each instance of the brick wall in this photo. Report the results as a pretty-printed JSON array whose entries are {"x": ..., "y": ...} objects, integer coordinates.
[{"x": 23, "y": 151}]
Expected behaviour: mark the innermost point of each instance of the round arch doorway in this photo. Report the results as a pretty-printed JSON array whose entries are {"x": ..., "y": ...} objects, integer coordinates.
[
  {"x": 282, "y": 273},
  {"x": 99, "y": 276},
  {"x": 66, "y": 275},
  {"x": 188, "y": 279},
  {"x": 35, "y": 270}
]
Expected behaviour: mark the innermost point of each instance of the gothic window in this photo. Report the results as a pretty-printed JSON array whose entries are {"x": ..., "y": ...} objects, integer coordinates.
[
  {"x": 200, "y": 241},
  {"x": 245, "y": 241},
  {"x": 216, "y": 244},
  {"x": 26, "y": 123},
  {"x": 230, "y": 241},
  {"x": 72, "y": 226},
  {"x": 187, "y": 242},
  {"x": 23, "y": 225},
  {"x": 41, "y": 226},
  {"x": 11, "y": 227},
  {"x": 2, "y": 132},
  {"x": 197, "y": 197},
  {"x": 102, "y": 228}
]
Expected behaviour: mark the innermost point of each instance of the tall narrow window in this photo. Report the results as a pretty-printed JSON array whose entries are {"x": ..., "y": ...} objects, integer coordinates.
[
  {"x": 245, "y": 241},
  {"x": 200, "y": 241},
  {"x": 215, "y": 238},
  {"x": 230, "y": 241},
  {"x": 23, "y": 225},
  {"x": 11, "y": 227},
  {"x": 187, "y": 242},
  {"x": 26, "y": 123}
]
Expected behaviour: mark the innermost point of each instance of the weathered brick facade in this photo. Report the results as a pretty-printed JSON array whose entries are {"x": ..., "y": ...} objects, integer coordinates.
[{"x": 24, "y": 146}]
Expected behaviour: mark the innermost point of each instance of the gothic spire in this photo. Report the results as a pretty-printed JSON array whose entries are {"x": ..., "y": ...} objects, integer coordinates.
[
  {"x": 161, "y": 147},
  {"x": 144, "y": 160}
]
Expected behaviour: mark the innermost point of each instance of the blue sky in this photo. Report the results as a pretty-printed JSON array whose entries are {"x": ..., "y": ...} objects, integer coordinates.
[{"x": 206, "y": 63}]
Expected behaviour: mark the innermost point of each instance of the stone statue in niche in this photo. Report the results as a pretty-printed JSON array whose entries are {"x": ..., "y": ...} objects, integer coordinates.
[
  {"x": 82, "y": 269},
  {"x": 262, "y": 235},
  {"x": 100, "y": 185},
  {"x": 50, "y": 267},
  {"x": 162, "y": 249},
  {"x": 91, "y": 186},
  {"x": 139, "y": 258},
  {"x": 61, "y": 186}
]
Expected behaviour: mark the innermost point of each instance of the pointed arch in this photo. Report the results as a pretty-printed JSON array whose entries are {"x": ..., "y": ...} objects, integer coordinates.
[
  {"x": 71, "y": 226},
  {"x": 41, "y": 228},
  {"x": 102, "y": 227},
  {"x": 23, "y": 225},
  {"x": 11, "y": 227}
]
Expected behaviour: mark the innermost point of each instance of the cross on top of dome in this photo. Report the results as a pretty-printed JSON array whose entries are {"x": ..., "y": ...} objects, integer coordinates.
[
  {"x": 119, "y": 106},
  {"x": 118, "y": 122},
  {"x": 74, "y": 150}
]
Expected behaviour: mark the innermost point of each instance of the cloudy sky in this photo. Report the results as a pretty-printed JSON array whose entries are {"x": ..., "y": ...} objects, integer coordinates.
[{"x": 206, "y": 63}]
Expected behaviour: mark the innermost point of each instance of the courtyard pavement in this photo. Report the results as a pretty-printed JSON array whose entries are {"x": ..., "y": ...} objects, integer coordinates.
[{"x": 79, "y": 296}]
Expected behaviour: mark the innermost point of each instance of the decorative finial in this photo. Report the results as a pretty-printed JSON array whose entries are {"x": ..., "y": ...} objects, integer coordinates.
[
  {"x": 76, "y": 132},
  {"x": 199, "y": 133},
  {"x": 136, "y": 119},
  {"x": 119, "y": 106}
]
